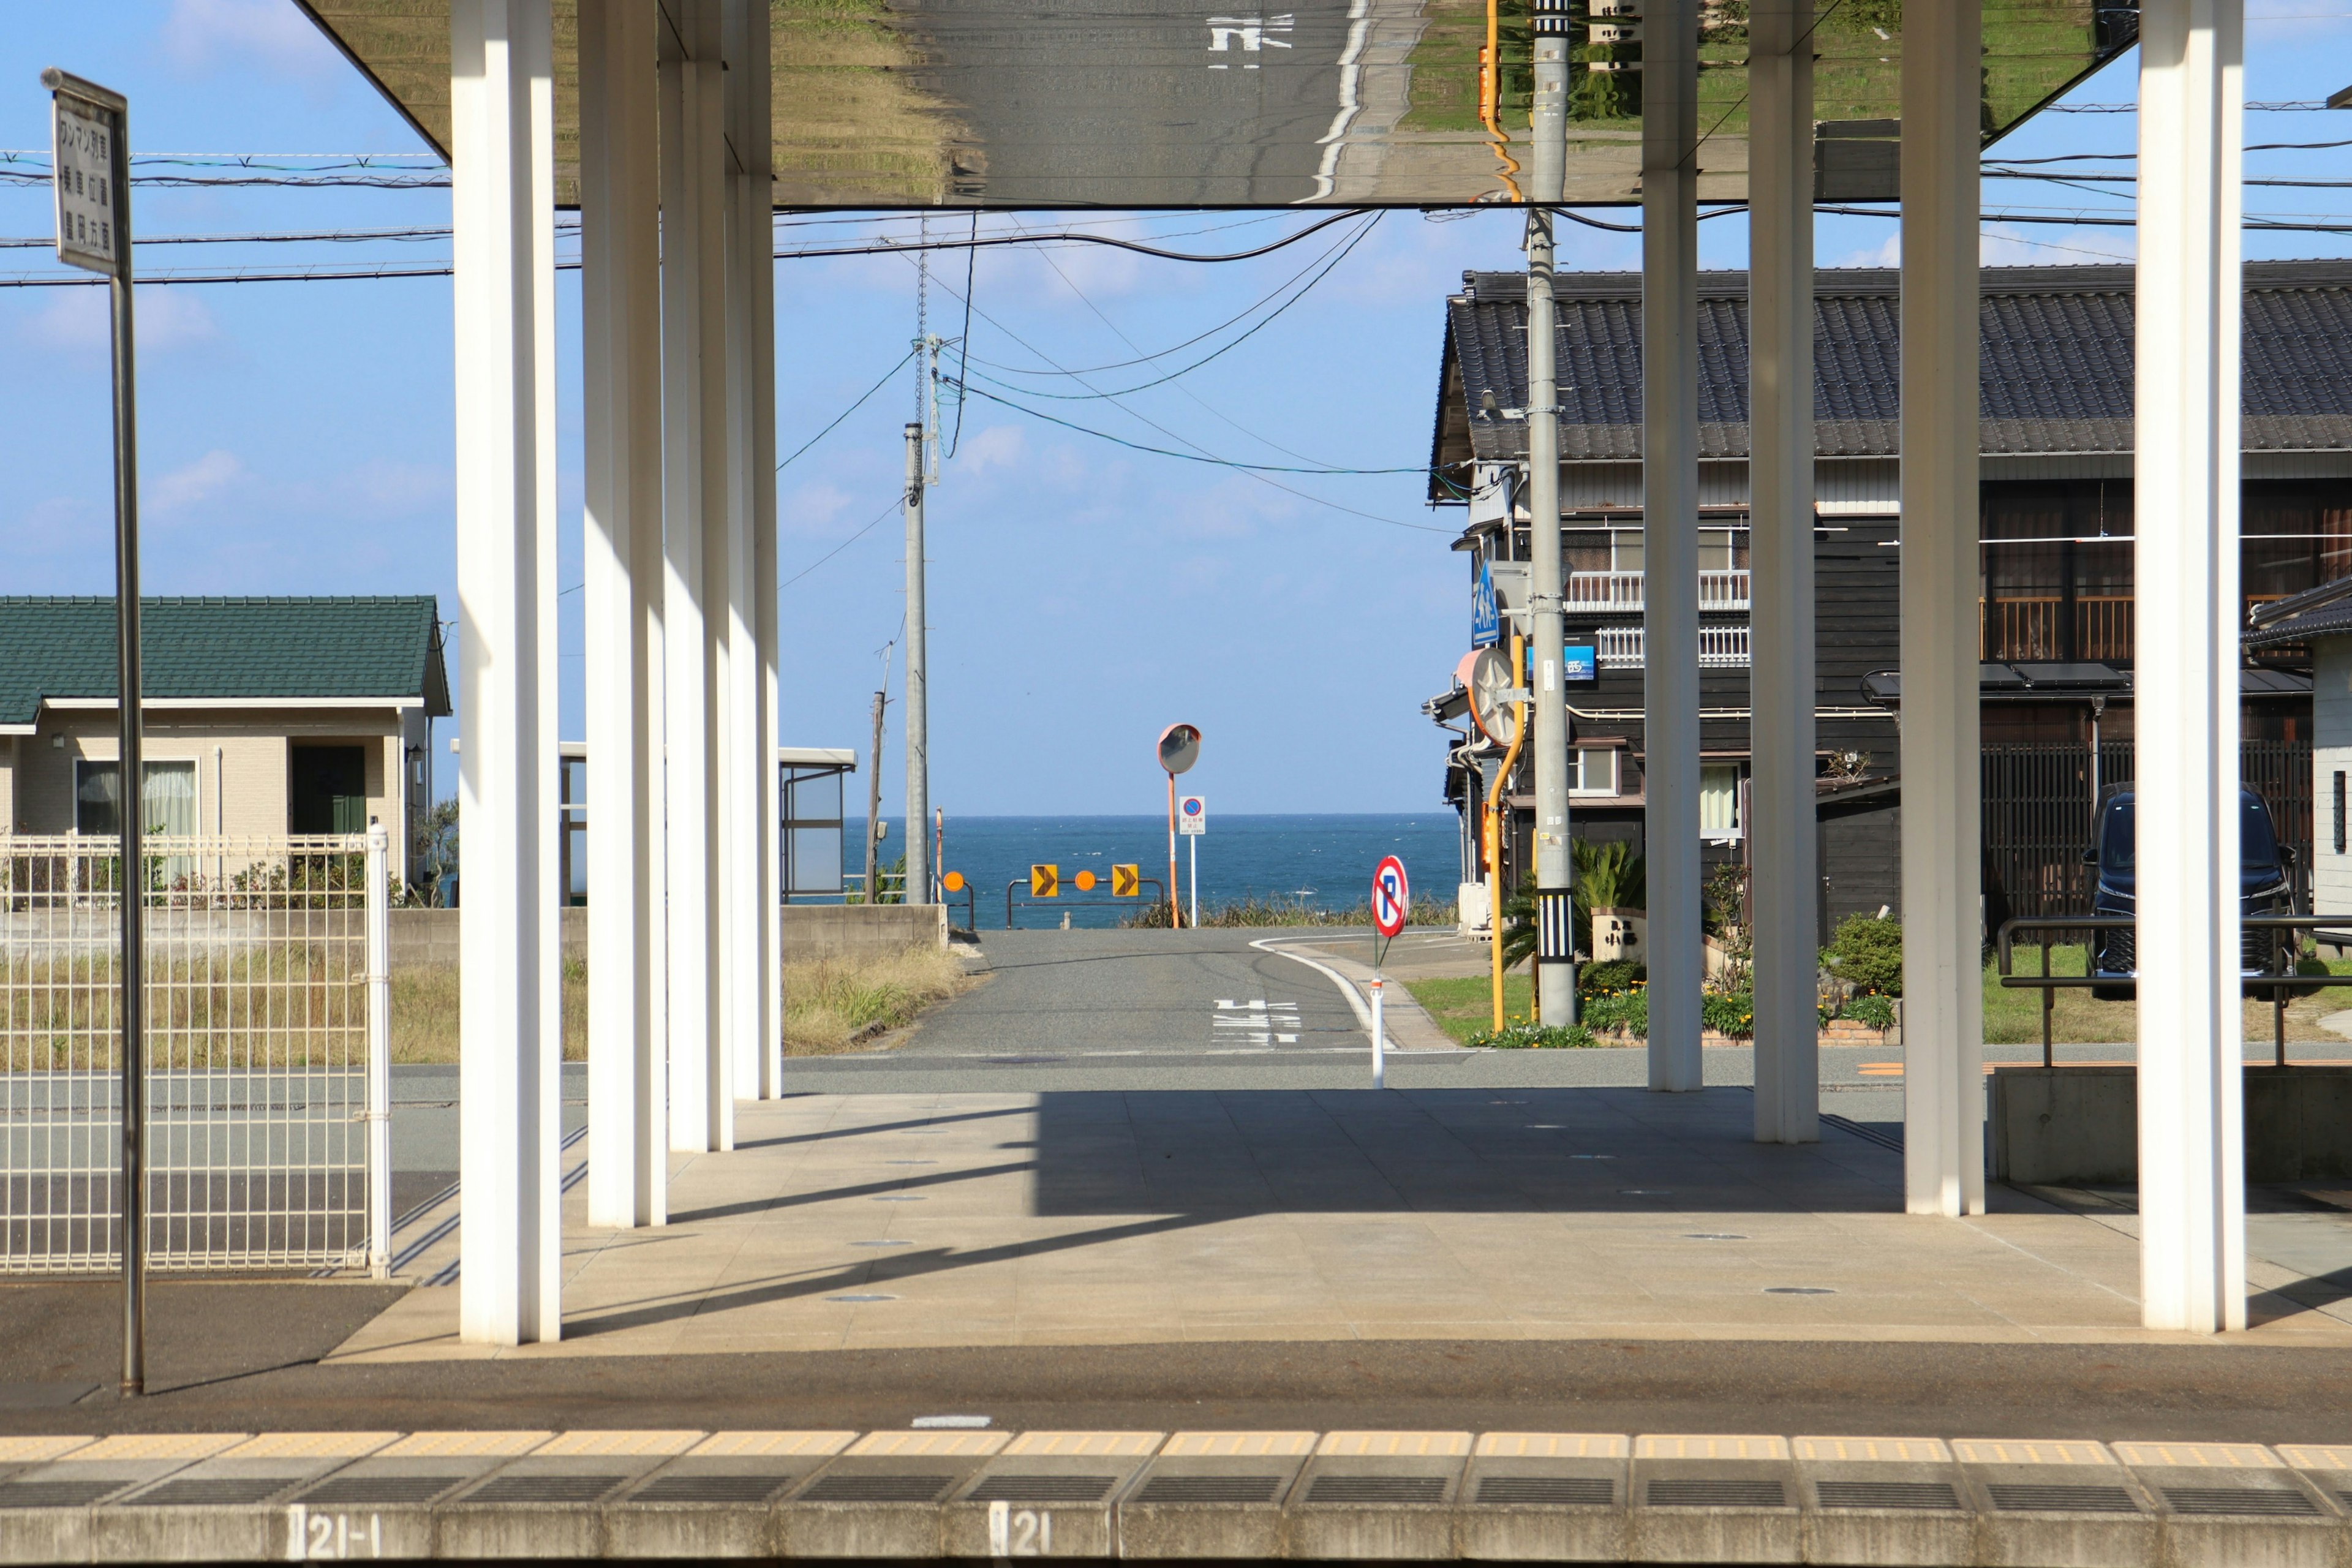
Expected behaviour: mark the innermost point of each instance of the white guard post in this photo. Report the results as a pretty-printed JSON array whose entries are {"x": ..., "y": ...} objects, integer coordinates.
[
  {"x": 502, "y": 207},
  {"x": 620, "y": 290},
  {"x": 2191, "y": 1079},
  {"x": 1670, "y": 534},
  {"x": 695, "y": 489},
  {"x": 1379, "y": 1028},
  {"x": 1780, "y": 490},
  {"x": 1942, "y": 1007}
]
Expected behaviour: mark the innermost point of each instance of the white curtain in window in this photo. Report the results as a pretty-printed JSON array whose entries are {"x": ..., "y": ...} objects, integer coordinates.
[
  {"x": 169, "y": 800},
  {"x": 1718, "y": 801}
]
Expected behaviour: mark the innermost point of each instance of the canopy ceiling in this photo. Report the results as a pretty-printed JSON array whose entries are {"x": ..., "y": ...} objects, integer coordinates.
[{"x": 1133, "y": 103}]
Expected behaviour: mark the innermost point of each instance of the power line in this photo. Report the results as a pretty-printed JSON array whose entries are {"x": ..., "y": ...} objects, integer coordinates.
[
  {"x": 1187, "y": 456},
  {"x": 845, "y": 413},
  {"x": 885, "y": 511}
]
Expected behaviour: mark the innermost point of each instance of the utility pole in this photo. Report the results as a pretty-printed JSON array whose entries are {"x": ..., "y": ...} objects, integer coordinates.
[
  {"x": 1555, "y": 869},
  {"x": 874, "y": 788},
  {"x": 919, "y": 783}
]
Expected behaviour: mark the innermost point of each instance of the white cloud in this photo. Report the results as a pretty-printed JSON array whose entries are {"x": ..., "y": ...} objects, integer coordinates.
[
  {"x": 2003, "y": 246},
  {"x": 1888, "y": 254},
  {"x": 195, "y": 483},
  {"x": 813, "y": 507},
  {"x": 202, "y": 37},
  {"x": 75, "y": 320},
  {"x": 998, "y": 446}
]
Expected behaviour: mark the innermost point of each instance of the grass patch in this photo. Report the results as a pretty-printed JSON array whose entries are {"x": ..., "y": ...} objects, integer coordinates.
[
  {"x": 832, "y": 1004},
  {"x": 425, "y": 1012},
  {"x": 1462, "y": 1005},
  {"x": 2014, "y": 1017}
]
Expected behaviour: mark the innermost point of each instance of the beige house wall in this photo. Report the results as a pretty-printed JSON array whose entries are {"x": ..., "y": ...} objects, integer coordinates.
[
  {"x": 242, "y": 758},
  {"x": 8, "y": 768}
]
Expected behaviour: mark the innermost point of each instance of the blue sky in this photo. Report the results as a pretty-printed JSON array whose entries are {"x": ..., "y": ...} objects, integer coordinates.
[{"x": 295, "y": 437}]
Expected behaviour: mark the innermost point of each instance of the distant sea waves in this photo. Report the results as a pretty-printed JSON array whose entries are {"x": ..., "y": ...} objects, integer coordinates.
[{"x": 1314, "y": 862}]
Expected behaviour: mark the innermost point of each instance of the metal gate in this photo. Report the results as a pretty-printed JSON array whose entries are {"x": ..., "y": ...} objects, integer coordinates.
[
  {"x": 267, "y": 1085},
  {"x": 2037, "y": 819}
]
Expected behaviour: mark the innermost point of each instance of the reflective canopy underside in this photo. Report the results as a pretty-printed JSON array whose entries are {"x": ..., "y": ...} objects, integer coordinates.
[{"x": 1139, "y": 103}]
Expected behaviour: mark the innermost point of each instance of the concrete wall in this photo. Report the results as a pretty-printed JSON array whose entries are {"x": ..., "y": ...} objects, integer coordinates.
[
  {"x": 2081, "y": 1125},
  {"x": 810, "y": 931}
]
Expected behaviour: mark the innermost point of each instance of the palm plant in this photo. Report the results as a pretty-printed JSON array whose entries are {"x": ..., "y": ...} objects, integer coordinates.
[{"x": 1608, "y": 877}]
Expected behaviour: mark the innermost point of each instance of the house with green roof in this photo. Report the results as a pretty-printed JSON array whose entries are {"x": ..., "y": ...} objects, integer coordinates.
[{"x": 263, "y": 716}]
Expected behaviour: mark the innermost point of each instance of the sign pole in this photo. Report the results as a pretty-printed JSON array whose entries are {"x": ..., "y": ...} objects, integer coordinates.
[
  {"x": 1180, "y": 748},
  {"x": 1196, "y": 882},
  {"x": 1391, "y": 900},
  {"x": 1175, "y": 910},
  {"x": 90, "y": 170},
  {"x": 1380, "y": 1029}
]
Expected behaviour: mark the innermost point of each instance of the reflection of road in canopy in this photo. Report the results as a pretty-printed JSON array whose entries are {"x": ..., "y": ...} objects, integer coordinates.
[{"x": 1103, "y": 992}]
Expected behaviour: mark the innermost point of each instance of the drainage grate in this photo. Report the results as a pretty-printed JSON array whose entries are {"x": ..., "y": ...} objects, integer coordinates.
[
  {"x": 545, "y": 1489},
  {"x": 1042, "y": 1488},
  {"x": 1887, "y": 1494},
  {"x": 1210, "y": 1488},
  {"x": 55, "y": 1494},
  {"x": 1598, "y": 1491},
  {"x": 2239, "y": 1499},
  {"x": 1705, "y": 1493},
  {"x": 2019, "y": 1497},
  {"x": 709, "y": 1488},
  {"x": 213, "y": 1491},
  {"x": 855, "y": 1487},
  {"x": 361, "y": 1491},
  {"x": 1377, "y": 1488}
]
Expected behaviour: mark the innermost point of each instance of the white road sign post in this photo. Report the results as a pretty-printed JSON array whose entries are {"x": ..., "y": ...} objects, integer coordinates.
[
  {"x": 1192, "y": 821},
  {"x": 1391, "y": 897},
  {"x": 91, "y": 165}
]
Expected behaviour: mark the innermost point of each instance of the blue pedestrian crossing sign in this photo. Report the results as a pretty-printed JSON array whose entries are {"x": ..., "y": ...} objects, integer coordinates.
[{"x": 1486, "y": 623}]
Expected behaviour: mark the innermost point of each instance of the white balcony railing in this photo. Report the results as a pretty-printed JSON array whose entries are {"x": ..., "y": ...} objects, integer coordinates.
[
  {"x": 1624, "y": 591},
  {"x": 1719, "y": 648}
]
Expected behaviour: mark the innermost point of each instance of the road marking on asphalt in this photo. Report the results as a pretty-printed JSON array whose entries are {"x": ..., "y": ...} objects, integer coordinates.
[{"x": 1258, "y": 1021}]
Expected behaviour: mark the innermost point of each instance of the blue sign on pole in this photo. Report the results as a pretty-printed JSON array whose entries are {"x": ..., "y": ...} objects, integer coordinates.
[
  {"x": 1486, "y": 623},
  {"x": 1579, "y": 661}
]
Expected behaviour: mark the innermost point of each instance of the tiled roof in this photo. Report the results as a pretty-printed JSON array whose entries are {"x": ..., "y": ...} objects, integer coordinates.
[
  {"x": 2322, "y": 610},
  {"x": 2055, "y": 373},
  {"x": 227, "y": 649}
]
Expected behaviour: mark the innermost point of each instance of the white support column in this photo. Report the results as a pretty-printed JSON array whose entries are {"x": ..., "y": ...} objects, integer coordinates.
[
  {"x": 758, "y": 238},
  {"x": 2192, "y": 1199},
  {"x": 620, "y": 293},
  {"x": 503, "y": 209},
  {"x": 1670, "y": 534},
  {"x": 1781, "y": 501},
  {"x": 1943, "y": 997},
  {"x": 694, "y": 488},
  {"x": 747, "y": 233}
]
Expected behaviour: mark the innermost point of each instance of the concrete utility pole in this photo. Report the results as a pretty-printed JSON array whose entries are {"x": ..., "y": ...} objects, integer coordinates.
[
  {"x": 1555, "y": 870},
  {"x": 918, "y": 767}
]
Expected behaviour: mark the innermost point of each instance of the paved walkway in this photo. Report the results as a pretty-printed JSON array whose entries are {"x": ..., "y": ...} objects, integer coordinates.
[{"x": 881, "y": 1220}]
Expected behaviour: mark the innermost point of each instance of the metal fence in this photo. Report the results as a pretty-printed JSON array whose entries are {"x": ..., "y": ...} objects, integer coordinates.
[
  {"x": 2038, "y": 803},
  {"x": 269, "y": 1011}
]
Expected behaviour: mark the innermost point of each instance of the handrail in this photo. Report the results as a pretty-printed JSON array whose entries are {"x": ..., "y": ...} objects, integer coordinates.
[{"x": 2279, "y": 986}]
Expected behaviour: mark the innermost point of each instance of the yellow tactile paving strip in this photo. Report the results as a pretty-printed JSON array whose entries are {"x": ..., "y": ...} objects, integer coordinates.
[
  {"x": 619, "y": 1445},
  {"x": 1553, "y": 1446},
  {"x": 1710, "y": 1445},
  {"x": 2004, "y": 1451},
  {"x": 2307, "y": 1457},
  {"x": 1087, "y": 1445},
  {"x": 770, "y": 1445},
  {"x": 157, "y": 1446},
  {"x": 927, "y": 1445},
  {"x": 465, "y": 1445},
  {"x": 1239, "y": 1446},
  {"x": 311, "y": 1446},
  {"x": 1394, "y": 1446},
  {"x": 1881, "y": 1451},
  {"x": 39, "y": 1450},
  {"x": 2200, "y": 1456}
]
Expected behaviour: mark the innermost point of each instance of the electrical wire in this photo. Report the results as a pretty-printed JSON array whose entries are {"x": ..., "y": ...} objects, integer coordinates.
[
  {"x": 896, "y": 502},
  {"x": 963, "y": 342},
  {"x": 1187, "y": 456},
  {"x": 845, "y": 413}
]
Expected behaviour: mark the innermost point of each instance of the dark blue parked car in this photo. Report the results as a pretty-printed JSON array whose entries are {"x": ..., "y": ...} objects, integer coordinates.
[{"x": 2263, "y": 889}]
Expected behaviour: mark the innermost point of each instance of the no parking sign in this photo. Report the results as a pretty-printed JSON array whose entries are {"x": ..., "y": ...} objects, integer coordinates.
[{"x": 1391, "y": 897}]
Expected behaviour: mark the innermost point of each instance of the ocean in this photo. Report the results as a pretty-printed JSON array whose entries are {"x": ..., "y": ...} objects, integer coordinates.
[{"x": 1321, "y": 861}]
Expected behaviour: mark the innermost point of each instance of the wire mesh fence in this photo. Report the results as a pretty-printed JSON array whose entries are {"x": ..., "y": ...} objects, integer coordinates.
[{"x": 265, "y": 1060}]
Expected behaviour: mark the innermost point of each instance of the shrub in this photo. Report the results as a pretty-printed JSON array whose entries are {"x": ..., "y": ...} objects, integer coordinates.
[
  {"x": 1871, "y": 1008},
  {"x": 1866, "y": 952},
  {"x": 1615, "y": 1010},
  {"x": 1527, "y": 1037},
  {"x": 1617, "y": 974},
  {"x": 1729, "y": 1013}
]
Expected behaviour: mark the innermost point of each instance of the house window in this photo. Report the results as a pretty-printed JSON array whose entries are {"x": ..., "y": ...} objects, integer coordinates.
[
  {"x": 1718, "y": 801},
  {"x": 169, "y": 802},
  {"x": 1592, "y": 770},
  {"x": 327, "y": 789}
]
